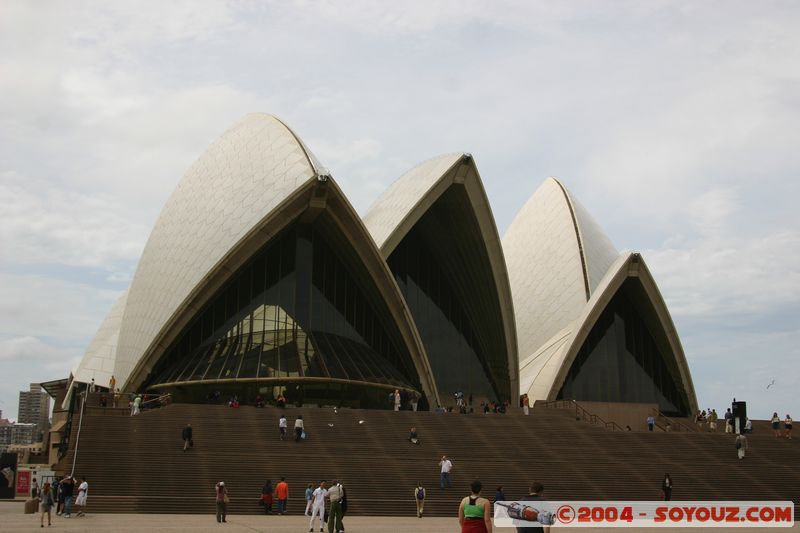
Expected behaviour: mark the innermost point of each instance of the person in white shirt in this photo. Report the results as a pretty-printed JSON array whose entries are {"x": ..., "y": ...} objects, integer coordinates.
[
  {"x": 397, "y": 399},
  {"x": 83, "y": 495},
  {"x": 444, "y": 477},
  {"x": 318, "y": 506},
  {"x": 282, "y": 426},
  {"x": 299, "y": 428}
]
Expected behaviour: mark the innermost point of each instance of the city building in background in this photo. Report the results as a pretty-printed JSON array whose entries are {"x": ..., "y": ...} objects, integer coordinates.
[
  {"x": 17, "y": 435},
  {"x": 34, "y": 408}
]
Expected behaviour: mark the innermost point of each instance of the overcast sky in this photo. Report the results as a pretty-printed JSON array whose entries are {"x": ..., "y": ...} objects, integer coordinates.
[{"x": 677, "y": 124}]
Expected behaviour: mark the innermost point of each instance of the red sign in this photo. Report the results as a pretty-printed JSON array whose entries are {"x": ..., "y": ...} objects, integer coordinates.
[{"x": 23, "y": 483}]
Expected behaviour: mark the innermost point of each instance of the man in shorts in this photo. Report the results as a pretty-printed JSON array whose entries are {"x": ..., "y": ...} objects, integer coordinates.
[{"x": 83, "y": 495}]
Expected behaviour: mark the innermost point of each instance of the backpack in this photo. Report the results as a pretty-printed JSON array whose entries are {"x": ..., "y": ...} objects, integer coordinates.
[{"x": 421, "y": 494}]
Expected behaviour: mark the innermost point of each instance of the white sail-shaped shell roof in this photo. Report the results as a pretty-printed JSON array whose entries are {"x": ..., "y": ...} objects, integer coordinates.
[
  {"x": 556, "y": 255},
  {"x": 564, "y": 271},
  {"x": 397, "y": 210},
  {"x": 242, "y": 177},
  {"x": 99, "y": 360}
]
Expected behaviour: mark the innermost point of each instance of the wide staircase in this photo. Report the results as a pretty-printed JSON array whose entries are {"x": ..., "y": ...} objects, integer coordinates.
[{"x": 136, "y": 464}]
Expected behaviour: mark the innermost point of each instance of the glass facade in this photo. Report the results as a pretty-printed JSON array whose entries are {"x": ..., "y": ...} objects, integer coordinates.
[
  {"x": 626, "y": 358},
  {"x": 443, "y": 270},
  {"x": 297, "y": 310}
]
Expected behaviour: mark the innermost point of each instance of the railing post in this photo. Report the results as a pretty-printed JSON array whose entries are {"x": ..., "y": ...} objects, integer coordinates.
[{"x": 78, "y": 434}]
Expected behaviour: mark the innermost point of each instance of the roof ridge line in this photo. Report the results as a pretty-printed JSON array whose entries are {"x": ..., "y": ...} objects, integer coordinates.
[{"x": 584, "y": 267}]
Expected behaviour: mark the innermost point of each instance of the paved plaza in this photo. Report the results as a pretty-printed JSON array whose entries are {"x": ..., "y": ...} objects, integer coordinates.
[{"x": 12, "y": 518}]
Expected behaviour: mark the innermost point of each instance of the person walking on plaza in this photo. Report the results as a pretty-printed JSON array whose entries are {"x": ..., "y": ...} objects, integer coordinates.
[
  {"x": 266, "y": 496},
  {"x": 397, "y": 399},
  {"x": 787, "y": 426},
  {"x": 68, "y": 489},
  {"x": 651, "y": 422},
  {"x": 282, "y": 425},
  {"x": 318, "y": 506},
  {"x": 776, "y": 424},
  {"x": 83, "y": 496},
  {"x": 186, "y": 435},
  {"x": 741, "y": 445},
  {"x": 666, "y": 487},
  {"x": 309, "y": 499},
  {"x": 419, "y": 497},
  {"x": 712, "y": 421},
  {"x": 282, "y": 494},
  {"x": 34, "y": 489},
  {"x": 444, "y": 476},
  {"x": 112, "y": 384},
  {"x": 46, "y": 503},
  {"x": 336, "y": 496},
  {"x": 526, "y": 404},
  {"x": 299, "y": 428},
  {"x": 475, "y": 512},
  {"x": 536, "y": 494},
  {"x": 222, "y": 501}
]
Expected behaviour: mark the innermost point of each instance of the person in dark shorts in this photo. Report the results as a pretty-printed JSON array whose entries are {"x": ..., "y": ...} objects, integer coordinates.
[{"x": 776, "y": 424}]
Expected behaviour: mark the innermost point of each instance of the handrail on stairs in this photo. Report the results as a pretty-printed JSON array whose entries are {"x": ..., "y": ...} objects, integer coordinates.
[
  {"x": 583, "y": 414},
  {"x": 670, "y": 424},
  {"x": 117, "y": 406},
  {"x": 78, "y": 434}
]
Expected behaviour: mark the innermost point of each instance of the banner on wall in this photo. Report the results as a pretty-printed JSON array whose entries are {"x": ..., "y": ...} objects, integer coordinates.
[{"x": 24, "y": 483}]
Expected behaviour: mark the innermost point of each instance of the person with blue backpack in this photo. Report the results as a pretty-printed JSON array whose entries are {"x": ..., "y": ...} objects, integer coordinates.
[{"x": 419, "y": 497}]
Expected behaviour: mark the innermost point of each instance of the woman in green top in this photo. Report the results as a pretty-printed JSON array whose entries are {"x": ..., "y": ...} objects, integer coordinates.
[{"x": 475, "y": 513}]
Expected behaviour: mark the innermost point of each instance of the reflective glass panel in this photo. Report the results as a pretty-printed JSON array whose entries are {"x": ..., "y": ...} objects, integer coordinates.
[{"x": 626, "y": 359}]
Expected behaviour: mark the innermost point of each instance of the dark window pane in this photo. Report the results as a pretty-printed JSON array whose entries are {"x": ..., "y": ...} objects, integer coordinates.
[{"x": 621, "y": 360}]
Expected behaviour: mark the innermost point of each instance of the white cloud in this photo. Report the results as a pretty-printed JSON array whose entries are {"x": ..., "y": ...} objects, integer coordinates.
[
  {"x": 723, "y": 277},
  {"x": 43, "y": 306},
  {"x": 673, "y": 122},
  {"x": 47, "y": 225},
  {"x": 722, "y": 373},
  {"x": 31, "y": 348}
]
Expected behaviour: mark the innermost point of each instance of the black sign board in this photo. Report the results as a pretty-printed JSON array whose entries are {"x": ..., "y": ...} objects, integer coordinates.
[{"x": 8, "y": 475}]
